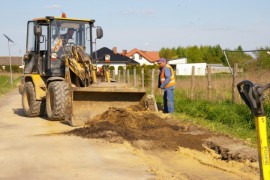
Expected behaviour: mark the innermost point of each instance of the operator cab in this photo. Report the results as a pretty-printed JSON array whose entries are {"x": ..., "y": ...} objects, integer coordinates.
[{"x": 50, "y": 40}]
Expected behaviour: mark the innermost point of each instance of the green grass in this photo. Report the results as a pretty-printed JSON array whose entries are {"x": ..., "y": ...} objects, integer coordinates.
[
  {"x": 5, "y": 85},
  {"x": 222, "y": 117}
]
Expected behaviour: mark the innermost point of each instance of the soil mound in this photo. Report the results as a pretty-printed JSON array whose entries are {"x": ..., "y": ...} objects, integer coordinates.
[
  {"x": 151, "y": 130},
  {"x": 143, "y": 129}
]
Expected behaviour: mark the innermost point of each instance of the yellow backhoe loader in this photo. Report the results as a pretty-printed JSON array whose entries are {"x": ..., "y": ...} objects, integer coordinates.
[{"x": 59, "y": 77}]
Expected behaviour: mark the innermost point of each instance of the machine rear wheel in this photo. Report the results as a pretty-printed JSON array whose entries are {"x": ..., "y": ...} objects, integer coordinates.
[
  {"x": 31, "y": 106},
  {"x": 55, "y": 100}
]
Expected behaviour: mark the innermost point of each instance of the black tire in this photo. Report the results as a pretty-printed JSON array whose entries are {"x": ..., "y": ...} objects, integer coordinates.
[
  {"x": 31, "y": 106},
  {"x": 56, "y": 99}
]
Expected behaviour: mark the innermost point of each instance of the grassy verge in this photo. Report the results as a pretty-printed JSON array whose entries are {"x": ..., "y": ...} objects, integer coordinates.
[
  {"x": 222, "y": 117},
  {"x": 5, "y": 85}
]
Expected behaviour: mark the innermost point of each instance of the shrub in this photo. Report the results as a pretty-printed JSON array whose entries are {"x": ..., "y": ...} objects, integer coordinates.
[
  {"x": 138, "y": 70},
  {"x": 111, "y": 68},
  {"x": 147, "y": 74},
  {"x": 120, "y": 68},
  {"x": 15, "y": 68}
]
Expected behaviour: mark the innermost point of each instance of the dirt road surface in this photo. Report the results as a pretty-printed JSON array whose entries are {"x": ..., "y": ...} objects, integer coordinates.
[{"x": 34, "y": 148}]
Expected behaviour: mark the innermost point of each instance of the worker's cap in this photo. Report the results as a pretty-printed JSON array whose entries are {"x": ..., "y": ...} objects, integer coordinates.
[{"x": 162, "y": 60}]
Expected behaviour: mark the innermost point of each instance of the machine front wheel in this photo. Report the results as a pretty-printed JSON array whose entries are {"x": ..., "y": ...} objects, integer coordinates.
[{"x": 55, "y": 100}]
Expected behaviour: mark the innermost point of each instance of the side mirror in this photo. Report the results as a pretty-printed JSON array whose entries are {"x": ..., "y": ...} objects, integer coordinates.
[
  {"x": 37, "y": 30},
  {"x": 99, "y": 32}
]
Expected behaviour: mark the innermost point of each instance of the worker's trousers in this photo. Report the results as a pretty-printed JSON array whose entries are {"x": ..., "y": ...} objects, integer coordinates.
[{"x": 168, "y": 100}]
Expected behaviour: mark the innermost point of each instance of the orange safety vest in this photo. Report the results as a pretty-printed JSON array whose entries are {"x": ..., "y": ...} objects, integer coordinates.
[
  {"x": 59, "y": 44},
  {"x": 162, "y": 77}
]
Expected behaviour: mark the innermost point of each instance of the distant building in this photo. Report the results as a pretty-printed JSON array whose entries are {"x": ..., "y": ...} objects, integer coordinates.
[
  {"x": 142, "y": 57},
  {"x": 181, "y": 67},
  {"x": 15, "y": 60},
  {"x": 116, "y": 59},
  {"x": 219, "y": 68}
]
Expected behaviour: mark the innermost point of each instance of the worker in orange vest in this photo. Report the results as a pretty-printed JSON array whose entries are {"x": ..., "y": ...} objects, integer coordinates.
[
  {"x": 62, "y": 40},
  {"x": 167, "y": 84}
]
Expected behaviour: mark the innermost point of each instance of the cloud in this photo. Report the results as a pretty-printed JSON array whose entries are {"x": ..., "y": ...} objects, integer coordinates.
[
  {"x": 140, "y": 12},
  {"x": 54, "y": 6}
]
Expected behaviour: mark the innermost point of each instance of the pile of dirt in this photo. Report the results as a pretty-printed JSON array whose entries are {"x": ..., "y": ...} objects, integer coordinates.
[
  {"x": 143, "y": 129},
  {"x": 151, "y": 130}
]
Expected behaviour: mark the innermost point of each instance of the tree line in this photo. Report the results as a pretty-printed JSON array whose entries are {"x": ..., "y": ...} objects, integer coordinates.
[{"x": 215, "y": 55}]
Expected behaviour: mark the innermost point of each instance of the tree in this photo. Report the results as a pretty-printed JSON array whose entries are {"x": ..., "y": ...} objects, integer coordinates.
[
  {"x": 173, "y": 54},
  {"x": 263, "y": 58},
  {"x": 194, "y": 55}
]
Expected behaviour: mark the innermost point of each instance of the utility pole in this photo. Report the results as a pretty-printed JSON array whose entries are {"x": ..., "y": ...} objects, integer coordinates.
[{"x": 9, "y": 40}]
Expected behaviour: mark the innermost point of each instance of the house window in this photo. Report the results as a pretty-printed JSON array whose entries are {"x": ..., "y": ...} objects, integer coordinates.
[{"x": 140, "y": 56}]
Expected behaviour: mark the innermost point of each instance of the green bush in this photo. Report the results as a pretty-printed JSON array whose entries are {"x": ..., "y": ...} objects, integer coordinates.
[
  {"x": 111, "y": 68},
  {"x": 15, "y": 69},
  {"x": 138, "y": 70},
  {"x": 120, "y": 68},
  {"x": 147, "y": 74},
  {"x": 131, "y": 67}
]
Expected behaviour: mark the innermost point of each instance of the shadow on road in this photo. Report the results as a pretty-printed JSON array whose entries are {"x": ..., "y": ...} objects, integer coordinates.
[
  {"x": 19, "y": 112},
  {"x": 65, "y": 123}
]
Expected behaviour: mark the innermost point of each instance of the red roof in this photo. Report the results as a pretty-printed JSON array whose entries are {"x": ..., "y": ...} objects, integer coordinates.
[{"x": 151, "y": 56}]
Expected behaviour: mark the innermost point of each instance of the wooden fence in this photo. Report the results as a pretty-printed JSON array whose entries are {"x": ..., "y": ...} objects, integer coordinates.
[{"x": 210, "y": 87}]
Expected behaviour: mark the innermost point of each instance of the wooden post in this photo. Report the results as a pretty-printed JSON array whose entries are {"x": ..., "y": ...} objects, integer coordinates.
[
  {"x": 128, "y": 76},
  {"x": 209, "y": 87},
  {"x": 134, "y": 74},
  {"x": 124, "y": 75},
  {"x": 153, "y": 81},
  {"x": 113, "y": 74},
  {"x": 235, "y": 74},
  {"x": 143, "y": 78},
  {"x": 192, "y": 83},
  {"x": 119, "y": 74}
]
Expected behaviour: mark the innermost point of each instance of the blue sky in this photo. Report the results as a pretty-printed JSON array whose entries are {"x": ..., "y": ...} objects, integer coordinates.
[{"x": 149, "y": 24}]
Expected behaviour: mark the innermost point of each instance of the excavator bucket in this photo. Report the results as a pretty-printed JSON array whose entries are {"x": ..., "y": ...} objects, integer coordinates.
[{"x": 84, "y": 103}]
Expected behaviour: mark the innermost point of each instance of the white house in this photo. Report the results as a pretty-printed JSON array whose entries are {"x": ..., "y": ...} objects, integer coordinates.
[
  {"x": 181, "y": 67},
  {"x": 142, "y": 57}
]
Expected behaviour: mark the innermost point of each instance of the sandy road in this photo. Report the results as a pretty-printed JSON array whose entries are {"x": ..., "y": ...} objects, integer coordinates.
[{"x": 30, "y": 148}]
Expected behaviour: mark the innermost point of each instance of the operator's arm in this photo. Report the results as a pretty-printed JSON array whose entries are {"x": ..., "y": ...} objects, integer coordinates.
[{"x": 167, "y": 77}]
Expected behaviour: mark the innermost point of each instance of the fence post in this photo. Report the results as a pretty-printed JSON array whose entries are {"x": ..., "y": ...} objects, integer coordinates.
[
  {"x": 192, "y": 83},
  {"x": 209, "y": 87},
  {"x": 113, "y": 74},
  {"x": 235, "y": 74},
  {"x": 119, "y": 74},
  {"x": 134, "y": 74},
  {"x": 153, "y": 81},
  {"x": 128, "y": 76},
  {"x": 143, "y": 78},
  {"x": 124, "y": 75}
]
